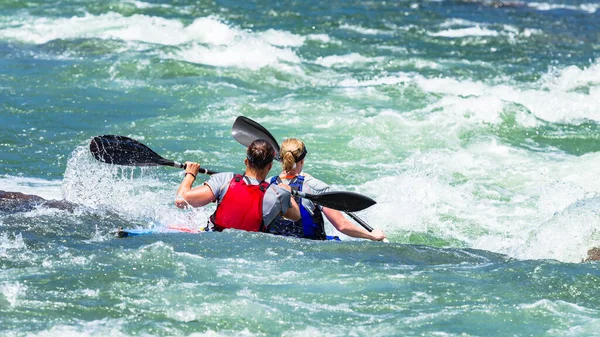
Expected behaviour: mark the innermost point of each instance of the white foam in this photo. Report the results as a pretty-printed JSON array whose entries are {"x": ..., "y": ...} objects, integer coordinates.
[
  {"x": 566, "y": 236},
  {"x": 554, "y": 98},
  {"x": 47, "y": 189},
  {"x": 462, "y": 32},
  {"x": 322, "y": 38},
  {"x": 207, "y": 40},
  {"x": 210, "y": 30},
  {"x": 127, "y": 192},
  {"x": 571, "y": 78},
  {"x": 251, "y": 54},
  {"x": 453, "y": 22},
  {"x": 144, "y": 5},
  {"x": 459, "y": 28},
  {"x": 337, "y": 60},
  {"x": 225, "y": 46},
  {"x": 494, "y": 197},
  {"x": 387, "y": 80},
  {"x": 283, "y": 39},
  {"x": 590, "y": 8},
  {"x": 563, "y": 95},
  {"x": 12, "y": 292},
  {"x": 365, "y": 31},
  {"x": 103, "y": 327},
  {"x": 11, "y": 242},
  {"x": 104, "y": 26}
]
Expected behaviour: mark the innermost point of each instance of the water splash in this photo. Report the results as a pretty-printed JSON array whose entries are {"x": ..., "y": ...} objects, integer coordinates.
[{"x": 141, "y": 195}]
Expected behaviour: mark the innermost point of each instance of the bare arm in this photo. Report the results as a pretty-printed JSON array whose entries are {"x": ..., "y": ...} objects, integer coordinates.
[
  {"x": 195, "y": 197},
  {"x": 293, "y": 213},
  {"x": 344, "y": 225}
]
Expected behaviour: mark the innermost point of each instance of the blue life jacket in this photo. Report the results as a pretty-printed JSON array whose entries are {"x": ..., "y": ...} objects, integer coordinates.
[{"x": 310, "y": 225}]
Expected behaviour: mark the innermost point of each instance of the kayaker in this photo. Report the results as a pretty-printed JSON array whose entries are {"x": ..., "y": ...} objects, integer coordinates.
[
  {"x": 311, "y": 226},
  {"x": 246, "y": 202}
]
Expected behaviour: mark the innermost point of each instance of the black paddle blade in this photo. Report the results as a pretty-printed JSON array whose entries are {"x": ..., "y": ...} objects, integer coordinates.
[
  {"x": 245, "y": 131},
  {"x": 342, "y": 201},
  {"x": 121, "y": 150}
]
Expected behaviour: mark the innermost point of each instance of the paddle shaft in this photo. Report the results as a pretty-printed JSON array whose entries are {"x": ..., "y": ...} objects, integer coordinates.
[
  {"x": 201, "y": 170},
  {"x": 360, "y": 221}
]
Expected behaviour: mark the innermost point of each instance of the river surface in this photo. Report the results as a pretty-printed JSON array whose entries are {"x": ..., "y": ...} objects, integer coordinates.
[{"x": 474, "y": 125}]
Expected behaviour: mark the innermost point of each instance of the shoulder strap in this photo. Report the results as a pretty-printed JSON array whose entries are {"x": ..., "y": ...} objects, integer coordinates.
[
  {"x": 246, "y": 180},
  {"x": 299, "y": 182},
  {"x": 264, "y": 186},
  {"x": 295, "y": 185}
]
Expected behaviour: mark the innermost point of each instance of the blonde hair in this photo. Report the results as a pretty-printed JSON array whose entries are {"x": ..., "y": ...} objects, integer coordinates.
[{"x": 291, "y": 150}]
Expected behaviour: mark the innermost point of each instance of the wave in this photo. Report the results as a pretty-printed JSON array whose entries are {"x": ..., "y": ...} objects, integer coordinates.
[
  {"x": 206, "y": 40},
  {"x": 47, "y": 189},
  {"x": 562, "y": 95},
  {"x": 494, "y": 198},
  {"x": 590, "y": 8}
]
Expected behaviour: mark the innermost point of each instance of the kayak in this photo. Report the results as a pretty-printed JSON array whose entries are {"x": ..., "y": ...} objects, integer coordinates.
[{"x": 129, "y": 232}]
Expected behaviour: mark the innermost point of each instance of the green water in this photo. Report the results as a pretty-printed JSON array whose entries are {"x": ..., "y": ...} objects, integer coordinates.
[{"x": 473, "y": 124}]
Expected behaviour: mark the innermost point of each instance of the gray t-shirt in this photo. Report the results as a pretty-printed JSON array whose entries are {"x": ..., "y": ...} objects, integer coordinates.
[{"x": 275, "y": 203}]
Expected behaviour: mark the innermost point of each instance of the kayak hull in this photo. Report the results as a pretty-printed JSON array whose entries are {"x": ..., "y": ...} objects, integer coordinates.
[{"x": 130, "y": 232}]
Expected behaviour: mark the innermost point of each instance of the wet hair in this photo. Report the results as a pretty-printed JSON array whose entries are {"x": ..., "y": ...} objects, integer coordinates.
[
  {"x": 260, "y": 154},
  {"x": 292, "y": 151}
]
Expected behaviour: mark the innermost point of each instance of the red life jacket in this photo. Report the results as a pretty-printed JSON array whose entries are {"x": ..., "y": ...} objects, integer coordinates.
[{"x": 241, "y": 207}]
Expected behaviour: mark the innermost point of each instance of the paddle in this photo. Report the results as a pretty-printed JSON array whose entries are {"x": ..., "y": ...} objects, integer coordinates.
[
  {"x": 340, "y": 200},
  {"x": 121, "y": 150},
  {"x": 245, "y": 131}
]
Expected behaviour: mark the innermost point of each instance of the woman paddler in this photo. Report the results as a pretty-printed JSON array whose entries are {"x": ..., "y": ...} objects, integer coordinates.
[
  {"x": 311, "y": 225},
  {"x": 245, "y": 201}
]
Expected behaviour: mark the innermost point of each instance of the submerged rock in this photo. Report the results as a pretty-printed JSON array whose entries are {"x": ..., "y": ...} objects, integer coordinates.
[
  {"x": 14, "y": 202},
  {"x": 593, "y": 254}
]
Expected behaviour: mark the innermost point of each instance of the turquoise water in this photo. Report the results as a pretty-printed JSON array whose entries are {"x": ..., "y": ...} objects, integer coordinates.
[{"x": 473, "y": 124}]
